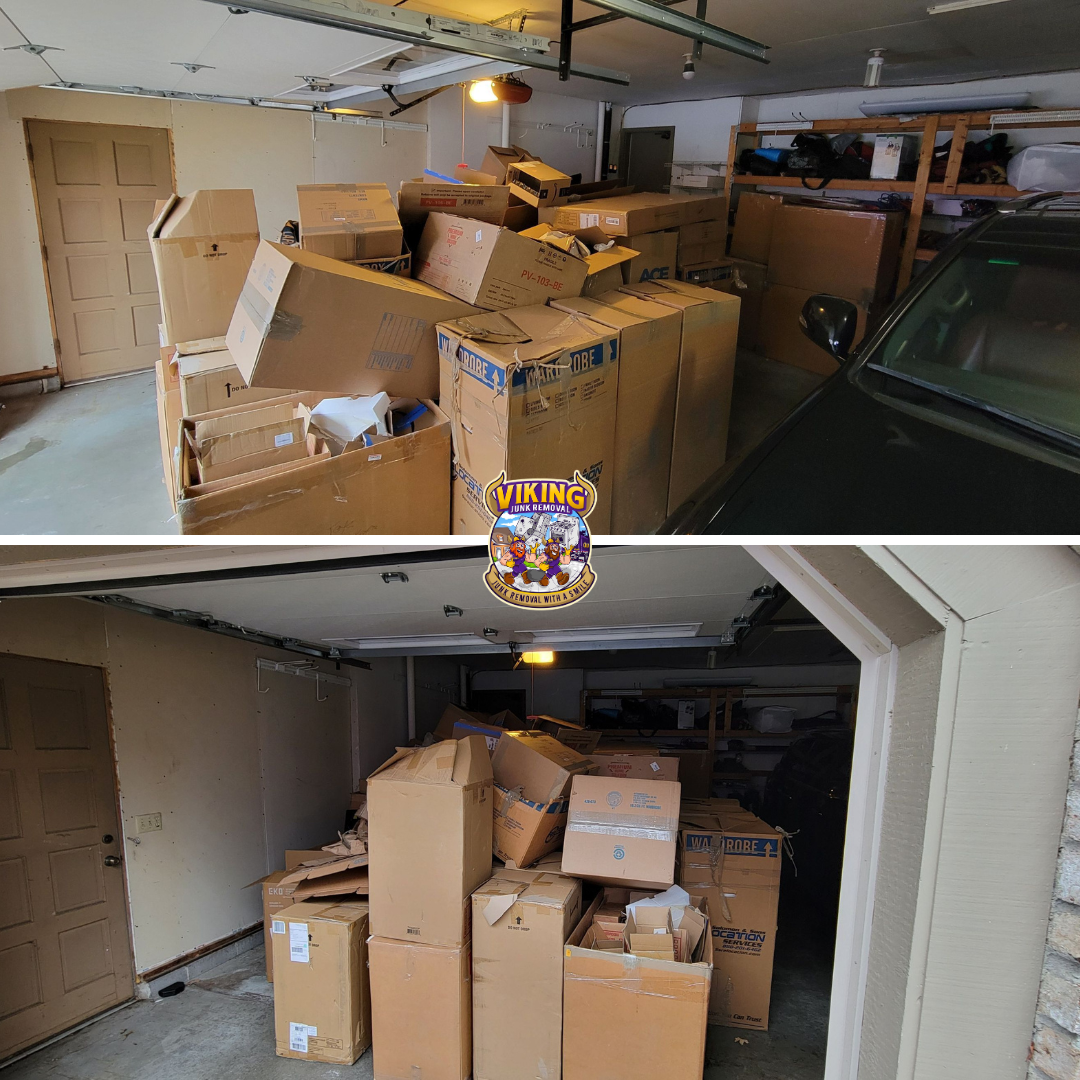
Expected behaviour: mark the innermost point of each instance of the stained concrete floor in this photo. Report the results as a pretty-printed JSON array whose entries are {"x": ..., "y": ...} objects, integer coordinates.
[
  {"x": 222, "y": 1025},
  {"x": 86, "y": 460}
]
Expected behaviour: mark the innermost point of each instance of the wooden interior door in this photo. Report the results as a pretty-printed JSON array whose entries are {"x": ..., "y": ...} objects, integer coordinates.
[
  {"x": 96, "y": 188},
  {"x": 65, "y": 953}
]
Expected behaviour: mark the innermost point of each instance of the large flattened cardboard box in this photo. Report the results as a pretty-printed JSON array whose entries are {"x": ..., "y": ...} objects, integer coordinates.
[
  {"x": 644, "y": 212},
  {"x": 747, "y": 282},
  {"x": 710, "y": 328},
  {"x": 429, "y": 839},
  {"x": 397, "y": 486},
  {"x": 202, "y": 245},
  {"x": 530, "y": 392},
  {"x": 322, "y": 1004},
  {"x": 209, "y": 380},
  {"x": 492, "y": 267},
  {"x": 421, "y": 1010},
  {"x": 314, "y": 323},
  {"x": 732, "y": 859},
  {"x": 520, "y": 925},
  {"x": 349, "y": 221},
  {"x": 631, "y": 1017},
  {"x": 780, "y": 335},
  {"x": 754, "y": 217},
  {"x": 622, "y": 832},
  {"x": 657, "y": 257},
  {"x": 649, "y": 343}
]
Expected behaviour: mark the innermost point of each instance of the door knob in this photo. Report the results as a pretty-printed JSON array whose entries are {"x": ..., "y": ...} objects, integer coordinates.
[{"x": 112, "y": 860}]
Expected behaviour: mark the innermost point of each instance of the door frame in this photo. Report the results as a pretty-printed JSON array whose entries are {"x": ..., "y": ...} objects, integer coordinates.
[
  {"x": 57, "y": 369},
  {"x": 624, "y": 146}
]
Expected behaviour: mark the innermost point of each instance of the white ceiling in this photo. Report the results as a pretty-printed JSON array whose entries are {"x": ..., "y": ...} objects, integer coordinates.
[{"x": 814, "y": 45}]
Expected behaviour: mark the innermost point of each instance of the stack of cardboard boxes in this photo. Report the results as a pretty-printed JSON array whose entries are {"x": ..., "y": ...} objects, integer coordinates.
[{"x": 589, "y": 963}]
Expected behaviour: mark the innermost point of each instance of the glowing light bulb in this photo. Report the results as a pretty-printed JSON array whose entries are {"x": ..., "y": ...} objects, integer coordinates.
[{"x": 481, "y": 92}]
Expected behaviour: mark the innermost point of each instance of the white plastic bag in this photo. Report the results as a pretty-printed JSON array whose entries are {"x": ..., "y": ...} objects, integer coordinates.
[
  {"x": 1050, "y": 167},
  {"x": 771, "y": 719}
]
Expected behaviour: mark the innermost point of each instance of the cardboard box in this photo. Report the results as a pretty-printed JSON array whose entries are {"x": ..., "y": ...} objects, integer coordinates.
[
  {"x": 421, "y": 1014},
  {"x": 747, "y": 282},
  {"x": 400, "y": 264},
  {"x": 732, "y": 860},
  {"x": 169, "y": 411},
  {"x": 631, "y": 1017},
  {"x": 315, "y": 323},
  {"x": 538, "y": 766},
  {"x": 649, "y": 344},
  {"x": 710, "y": 325},
  {"x": 234, "y": 442},
  {"x": 202, "y": 245},
  {"x": 539, "y": 404},
  {"x": 707, "y": 251},
  {"x": 704, "y": 232},
  {"x": 397, "y": 486},
  {"x": 709, "y": 274},
  {"x": 657, "y": 258},
  {"x": 818, "y": 246},
  {"x": 604, "y": 269},
  {"x": 780, "y": 335},
  {"x": 429, "y": 835},
  {"x": 525, "y": 831},
  {"x": 536, "y": 183},
  {"x": 492, "y": 267},
  {"x": 894, "y": 157},
  {"x": 645, "y": 764},
  {"x": 492, "y": 203},
  {"x": 753, "y": 233},
  {"x": 498, "y": 158},
  {"x": 644, "y": 212},
  {"x": 322, "y": 1003},
  {"x": 622, "y": 832},
  {"x": 275, "y": 897},
  {"x": 209, "y": 380},
  {"x": 349, "y": 221},
  {"x": 520, "y": 924}
]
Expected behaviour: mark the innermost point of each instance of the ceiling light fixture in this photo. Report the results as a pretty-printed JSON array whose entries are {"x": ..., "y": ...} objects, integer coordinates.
[
  {"x": 482, "y": 93},
  {"x": 610, "y": 633},
  {"x": 960, "y": 5},
  {"x": 873, "y": 67},
  {"x": 539, "y": 657}
]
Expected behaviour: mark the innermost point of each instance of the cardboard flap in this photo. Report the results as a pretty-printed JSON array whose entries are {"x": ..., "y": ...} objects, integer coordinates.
[
  {"x": 473, "y": 761},
  {"x": 493, "y": 326},
  {"x": 200, "y": 345},
  {"x": 154, "y": 229},
  {"x": 400, "y": 754},
  {"x": 498, "y": 906},
  {"x": 431, "y": 764}
]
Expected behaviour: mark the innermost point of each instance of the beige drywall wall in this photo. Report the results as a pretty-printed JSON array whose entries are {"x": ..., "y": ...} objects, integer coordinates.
[
  {"x": 237, "y": 775},
  {"x": 270, "y": 151}
]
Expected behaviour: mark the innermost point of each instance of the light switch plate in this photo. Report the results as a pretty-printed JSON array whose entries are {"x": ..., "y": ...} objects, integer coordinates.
[{"x": 147, "y": 823}]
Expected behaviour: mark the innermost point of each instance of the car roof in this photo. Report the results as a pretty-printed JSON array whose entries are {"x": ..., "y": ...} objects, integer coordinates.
[{"x": 1050, "y": 202}]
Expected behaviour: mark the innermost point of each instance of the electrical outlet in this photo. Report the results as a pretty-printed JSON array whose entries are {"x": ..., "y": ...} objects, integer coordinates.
[{"x": 147, "y": 823}]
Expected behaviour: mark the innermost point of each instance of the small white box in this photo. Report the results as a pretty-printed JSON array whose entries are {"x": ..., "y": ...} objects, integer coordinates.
[{"x": 890, "y": 153}]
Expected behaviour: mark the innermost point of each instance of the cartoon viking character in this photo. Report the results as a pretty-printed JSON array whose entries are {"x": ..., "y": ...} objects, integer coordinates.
[
  {"x": 552, "y": 561},
  {"x": 514, "y": 558}
]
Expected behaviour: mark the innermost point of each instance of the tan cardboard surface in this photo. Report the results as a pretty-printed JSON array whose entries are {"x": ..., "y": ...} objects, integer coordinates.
[
  {"x": 479, "y": 202},
  {"x": 754, "y": 217},
  {"x": 202, "y": 245},
  {"x": 169, "y": 410},
  {"x": 537, "y": 765},
  {"x": 348, "y": 221},
  {"x": 704, "y": 232},
  {"x": 421, "y": 1013},
  {"x": 315, "y": 323},
  {"x": 644, "y": 212},
  {"x": 657, "y": 257},
  {"x": 525, "y": 831},
  {"x": 322, "y": 1002},
  {"x": 540, "y": 404},
  {"x": 209, "y": 380},
  {"x": 492, "y": 267},
  {"x": 780, "y": 336},
  {"x": 429, "y": 834},
  {"x": 498, "y": 157},
  {"x": 622, "y": 832},
  {"x": 636, "y": 766},
  {"x": 650, "y": 336},
  {"x": 520, "y": 925},
  {"x": 747, "y": 282},
  {"x": 536, "y": 182}
]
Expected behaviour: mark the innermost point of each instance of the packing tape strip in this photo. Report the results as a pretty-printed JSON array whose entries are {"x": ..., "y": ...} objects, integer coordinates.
[{"x": 629, "y": 831}]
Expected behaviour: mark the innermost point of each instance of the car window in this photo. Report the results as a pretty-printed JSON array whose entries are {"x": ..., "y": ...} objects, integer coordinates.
[{"x": 1001, "y": 323}]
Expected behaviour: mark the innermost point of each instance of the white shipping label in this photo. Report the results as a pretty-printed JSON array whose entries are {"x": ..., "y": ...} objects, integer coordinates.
[
  {"x": 479, "y": 235},
  {"x": 284, "y": 439},
  {"x": 589, "y": 221},
  {"x": 298, "y": 942},
  {"x": 277, "y": 926},
  {"x": 653, "y": 765},
  {"x": 299, "y": 1035},
  {"x": 374, "y": 457},
  {"x": 612, "y": 220}
]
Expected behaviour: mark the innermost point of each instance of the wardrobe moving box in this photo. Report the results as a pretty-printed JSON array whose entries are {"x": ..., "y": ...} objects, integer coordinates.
[
  {"x": 531, "y": 392},
  {"x": 636, "y": 764},
  {"x": 209, "y": 380},
  {"x": 322, "y": 1004},
  {"x": 644, "y": 212},
  {"x": 421, "y": 1010},
  {"x": 492, "y": 267},
  {"x": 732, "y": 860},
  {"x": 397, "y": 486},
  {"x": 658, "y": 254},
  {"x": 649, "y": 340},
  {"x": 536, "y": 183},
  {"x": 520, "y": 926},
  {"x": 315, "y": 323},
  {"x": 710, "y": 327},
  {"x": 349, "y": 221},
  {"x": 622, "y": 832},
  {"x": 631, "y": 1017},
  {"x": 202, "y": 245},
  {"x": 780, "y": 334},
  {"x": 754, "y": 218},
  {"x": 747, "y": 282},
  {"x": 537, "y": 765},
  {"x": 429, "y": 840}
]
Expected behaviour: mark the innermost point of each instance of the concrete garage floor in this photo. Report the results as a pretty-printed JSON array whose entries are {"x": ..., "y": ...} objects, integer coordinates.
[
  {"x": 86, "y": 460},
  {"x": 222, "y": 1025}
]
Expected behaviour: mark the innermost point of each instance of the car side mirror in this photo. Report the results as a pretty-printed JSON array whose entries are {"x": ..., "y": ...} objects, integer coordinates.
[{"x": 830, "y": 323}]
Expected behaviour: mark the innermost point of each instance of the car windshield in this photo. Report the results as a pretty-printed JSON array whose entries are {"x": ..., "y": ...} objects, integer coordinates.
[{"x": 1001, "y": 324}]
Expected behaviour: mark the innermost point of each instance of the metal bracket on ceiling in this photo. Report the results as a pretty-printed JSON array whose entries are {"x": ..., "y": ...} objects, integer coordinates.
[{"x": 402, "y": 106}]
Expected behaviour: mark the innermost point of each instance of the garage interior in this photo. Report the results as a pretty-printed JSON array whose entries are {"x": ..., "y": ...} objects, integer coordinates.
[
  {"x": 922, "y": 114},
  {"x": 229, "y": 751}
]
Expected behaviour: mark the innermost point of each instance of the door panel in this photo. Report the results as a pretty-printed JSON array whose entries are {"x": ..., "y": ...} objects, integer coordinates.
[
  {"x": 64, "y": 945},
  {"x": 645, "y": 157},
  {"x": 96, "y": 189}
]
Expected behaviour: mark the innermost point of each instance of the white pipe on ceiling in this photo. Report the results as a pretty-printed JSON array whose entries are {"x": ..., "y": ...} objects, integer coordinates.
[{"x": 410, "y": 695}]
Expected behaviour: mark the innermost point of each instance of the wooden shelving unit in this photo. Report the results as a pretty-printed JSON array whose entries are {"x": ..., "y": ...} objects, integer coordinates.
[{"x": 928, "y": 127}]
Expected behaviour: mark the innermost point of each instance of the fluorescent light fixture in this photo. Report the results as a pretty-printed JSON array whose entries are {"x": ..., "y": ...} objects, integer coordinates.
[
  {"x": 413, "y": 641},
  {"x": 482, "y": 93},
  {"x": 540, "y": 657},
  {"x": 960, "y": 5},
  {"x": 612, "y": 633}
]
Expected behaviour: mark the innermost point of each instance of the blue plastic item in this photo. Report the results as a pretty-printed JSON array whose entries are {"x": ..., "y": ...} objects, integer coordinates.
[
  {"x": 409, "y": 419},
  {"x": 445, "y": 179}
]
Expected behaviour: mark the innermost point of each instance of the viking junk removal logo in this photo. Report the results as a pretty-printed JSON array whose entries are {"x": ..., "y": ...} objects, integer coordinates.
[{"x": 540, "y": 543}]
